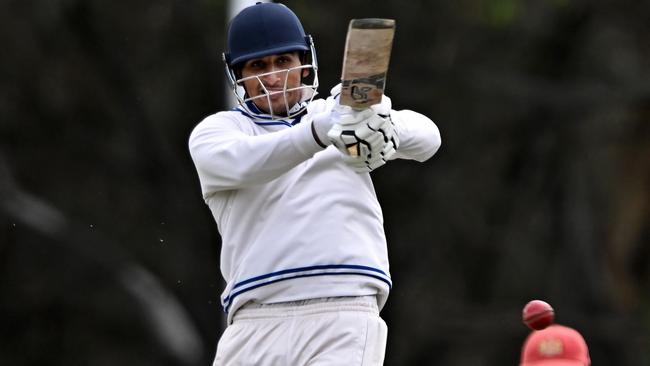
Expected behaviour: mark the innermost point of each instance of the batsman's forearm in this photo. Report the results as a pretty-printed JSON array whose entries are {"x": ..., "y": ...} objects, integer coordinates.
[
  {"x": 229, "y": 159},
  {"x": 419, "y": 137}
]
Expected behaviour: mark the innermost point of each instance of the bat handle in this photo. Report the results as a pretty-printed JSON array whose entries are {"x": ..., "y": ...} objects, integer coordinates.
[{"x": 353, "y": 150}]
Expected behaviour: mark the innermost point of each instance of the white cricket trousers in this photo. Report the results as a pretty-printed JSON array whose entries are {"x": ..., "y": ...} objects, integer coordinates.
[{"x": 341, "y": 331}]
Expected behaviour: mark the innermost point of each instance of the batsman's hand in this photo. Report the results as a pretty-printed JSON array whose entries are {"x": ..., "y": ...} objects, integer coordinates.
[{"x": 366, "y": 138}]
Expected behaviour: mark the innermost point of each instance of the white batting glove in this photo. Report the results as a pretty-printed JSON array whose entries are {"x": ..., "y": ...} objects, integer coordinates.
[
  {"x": 335, "y": 92},
  {"x": 323, "y": 121},
  {"x": 366, "y": 139},
  {"x": 384, "y": 107}
]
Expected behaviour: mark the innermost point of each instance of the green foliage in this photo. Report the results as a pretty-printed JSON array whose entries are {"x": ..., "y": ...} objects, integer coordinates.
[{"x": 500, "y": 13}]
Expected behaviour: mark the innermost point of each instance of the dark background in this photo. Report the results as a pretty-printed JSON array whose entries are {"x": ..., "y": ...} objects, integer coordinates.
[{"x": 541, "y": 189}]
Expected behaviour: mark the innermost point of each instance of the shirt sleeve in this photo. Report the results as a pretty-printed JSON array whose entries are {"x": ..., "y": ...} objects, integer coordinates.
[
  {"x": 419, "y": 137},
  {"x": 228, "y": 156}
]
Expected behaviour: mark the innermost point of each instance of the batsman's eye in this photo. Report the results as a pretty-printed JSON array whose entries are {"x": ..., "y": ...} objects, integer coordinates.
[
  {"x": 283, "y": 61},
  {"x": 256, "y": 64}
]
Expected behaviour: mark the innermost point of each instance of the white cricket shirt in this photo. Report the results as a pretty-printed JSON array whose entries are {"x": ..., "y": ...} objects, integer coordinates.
[{"x": 295, "y": 221}]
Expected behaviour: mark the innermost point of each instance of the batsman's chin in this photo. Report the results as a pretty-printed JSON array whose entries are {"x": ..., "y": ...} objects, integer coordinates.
[
  {"x": 278, "y": 100},
  {"x": 278, "y": 108}
]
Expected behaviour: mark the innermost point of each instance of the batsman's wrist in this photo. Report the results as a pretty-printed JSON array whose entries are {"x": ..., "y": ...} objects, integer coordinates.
[
  {"x": 315, "y": 135},
  {"x": 320, "y": 125}
]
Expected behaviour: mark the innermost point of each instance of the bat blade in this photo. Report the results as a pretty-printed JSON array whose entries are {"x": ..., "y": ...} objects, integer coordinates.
[{"x": 365, "y": 62}]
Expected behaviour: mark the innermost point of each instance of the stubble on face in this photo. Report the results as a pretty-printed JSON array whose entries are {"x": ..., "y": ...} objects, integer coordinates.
[{"x": 268, "y": 77}]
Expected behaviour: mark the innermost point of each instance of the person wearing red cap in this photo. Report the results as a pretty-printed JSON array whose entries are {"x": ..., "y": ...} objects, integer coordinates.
[{"x": 555, "y": 345}]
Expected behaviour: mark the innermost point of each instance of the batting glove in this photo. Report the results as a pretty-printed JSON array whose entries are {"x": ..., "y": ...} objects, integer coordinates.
[
  {"x": 366, "y": 139},
  {"x": 323, "y": 121}
]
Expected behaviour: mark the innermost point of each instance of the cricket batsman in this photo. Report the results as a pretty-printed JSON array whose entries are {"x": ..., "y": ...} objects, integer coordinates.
[{"x": 303, "y": 249}]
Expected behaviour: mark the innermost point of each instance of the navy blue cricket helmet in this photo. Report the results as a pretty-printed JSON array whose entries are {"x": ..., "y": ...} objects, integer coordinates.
[
  {"x": 264, "y": 29},
  {"x": 267, "y": 29}
]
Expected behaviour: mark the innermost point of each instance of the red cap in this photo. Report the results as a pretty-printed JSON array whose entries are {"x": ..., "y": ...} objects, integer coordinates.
[{"x": 555, "y": 345}]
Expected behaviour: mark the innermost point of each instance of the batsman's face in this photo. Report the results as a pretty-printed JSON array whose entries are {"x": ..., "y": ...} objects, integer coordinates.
[{"x": 267, "y": 78}]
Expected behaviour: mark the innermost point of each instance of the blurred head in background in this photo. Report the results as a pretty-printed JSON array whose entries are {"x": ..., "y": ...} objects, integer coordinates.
[{"x": 555, "y": 345}]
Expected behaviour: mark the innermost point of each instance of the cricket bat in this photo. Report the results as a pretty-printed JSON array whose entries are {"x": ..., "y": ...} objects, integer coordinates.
[{"x": 365, "y": 64}]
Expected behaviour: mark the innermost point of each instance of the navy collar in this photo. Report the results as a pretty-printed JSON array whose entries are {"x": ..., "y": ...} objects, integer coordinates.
[{"x": 264, "y": 119}]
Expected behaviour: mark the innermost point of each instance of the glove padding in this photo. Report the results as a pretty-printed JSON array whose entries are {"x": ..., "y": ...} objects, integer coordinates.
[{"x": 366, "y": 138}]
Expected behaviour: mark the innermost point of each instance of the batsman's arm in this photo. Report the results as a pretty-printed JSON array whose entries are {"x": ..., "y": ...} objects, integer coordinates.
[
  {"x": 228, "y": 156},
  {"x": 419, "y": 137}
]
